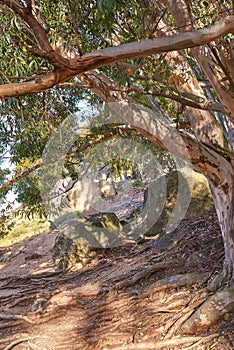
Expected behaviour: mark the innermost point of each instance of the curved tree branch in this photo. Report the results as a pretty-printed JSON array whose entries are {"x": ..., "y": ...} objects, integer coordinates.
[
  {"x": 38, "y": 31},
  {"x": 68, "y": 68},
  {"x": 213, "y": 162},
  {"x": 165, "y": 44}
]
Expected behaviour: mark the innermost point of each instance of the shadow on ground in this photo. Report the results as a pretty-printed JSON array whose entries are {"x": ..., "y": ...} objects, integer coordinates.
[{"x": 129, "y": 298}]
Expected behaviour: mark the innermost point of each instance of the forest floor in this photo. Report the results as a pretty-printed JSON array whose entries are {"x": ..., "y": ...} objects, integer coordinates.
[{"x": 127, "y": 298}]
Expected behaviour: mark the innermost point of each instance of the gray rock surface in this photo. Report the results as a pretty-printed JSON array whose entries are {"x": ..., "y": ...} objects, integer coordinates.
[
  {"x": 77, "y": 243},
  {"x": 80, "y": 195},
  {"x": 187, "y": 195}
]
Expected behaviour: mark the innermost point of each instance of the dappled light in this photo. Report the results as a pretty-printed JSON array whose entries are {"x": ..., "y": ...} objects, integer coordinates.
[{"x": 117, "y": 174}]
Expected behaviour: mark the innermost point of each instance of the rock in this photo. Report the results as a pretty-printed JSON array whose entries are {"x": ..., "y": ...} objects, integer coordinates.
[
  {"x": 125, "y": 187},
  {"x": 107, "y": 220},
  {"x": 193, "y": 199},
  {"x": 33, "y": 256},
  {"x": 79, "y": 195},
  {"x": 77, "y": 244}
]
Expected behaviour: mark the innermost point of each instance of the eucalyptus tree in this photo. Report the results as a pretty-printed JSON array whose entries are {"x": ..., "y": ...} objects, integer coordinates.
[{"x": 173, "y": 57}]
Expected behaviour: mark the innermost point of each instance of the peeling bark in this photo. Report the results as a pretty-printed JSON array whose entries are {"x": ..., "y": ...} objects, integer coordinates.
[
  {"x": 223, "y": 196},
  {"x": 223, "y": 187}
]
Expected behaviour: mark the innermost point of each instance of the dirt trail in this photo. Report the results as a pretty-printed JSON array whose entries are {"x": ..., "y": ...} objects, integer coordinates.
[{"x": 125, "y": 299}]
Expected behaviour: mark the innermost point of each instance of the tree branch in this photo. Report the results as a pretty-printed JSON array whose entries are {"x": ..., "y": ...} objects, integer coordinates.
[
  {"x": 38, "y": 32},
  {"x": 21, "y": 176},
  {"x": 165, "y": 44},
  {"x": 183, "y": 98},
  {"x": 78, "y": 65},
  {"x": 212, "y": 162},
  {"x": 30, "y": 87},
  {"x": 33, "y": 24}
]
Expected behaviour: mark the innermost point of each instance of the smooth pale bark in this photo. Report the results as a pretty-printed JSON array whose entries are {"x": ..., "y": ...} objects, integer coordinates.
[
  {"x": 203, "y": 123},
  {"x": 66, "y": 68},
  {"x": 223, "y": 191},
  {"x": 224, "y": 203},
  {"x": 34, "y": 86},
  {"x": 207, "y": 63},
  {"x": 165, "y": 44}
]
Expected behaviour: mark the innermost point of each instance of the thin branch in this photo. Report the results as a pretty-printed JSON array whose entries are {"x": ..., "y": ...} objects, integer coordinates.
[
  {"x": 38, "y": 32},
  {"x": 109, "y": 134},
  {"x": 76, "y": 28},
  {"x": 184, "y": 98},
  {"x": 21, "y": 176},
  {"x": 34, "y": 25}
]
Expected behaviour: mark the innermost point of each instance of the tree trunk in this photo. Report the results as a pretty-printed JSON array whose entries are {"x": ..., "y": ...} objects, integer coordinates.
[
  {"x": 223, "y": 191},
  {"x": 223, "y": 196}
]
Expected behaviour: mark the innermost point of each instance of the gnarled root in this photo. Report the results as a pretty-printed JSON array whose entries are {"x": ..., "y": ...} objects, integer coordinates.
[
  {"x": 225, "y": 277},
  {"x": 210, "y": 311}
]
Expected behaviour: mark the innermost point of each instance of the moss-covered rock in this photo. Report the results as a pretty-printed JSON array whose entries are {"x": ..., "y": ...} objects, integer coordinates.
[
  {"x": 78, "y": 243},
  {"x": 187, "y": 195}
]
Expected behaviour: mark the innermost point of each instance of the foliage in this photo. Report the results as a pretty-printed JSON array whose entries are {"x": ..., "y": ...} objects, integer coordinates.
[
  {"x": 23, "y": 229},
  {"x": 137, "y": 183},
  {"x": 157, "y": 81},
  {"x": 6, "y": 221}
]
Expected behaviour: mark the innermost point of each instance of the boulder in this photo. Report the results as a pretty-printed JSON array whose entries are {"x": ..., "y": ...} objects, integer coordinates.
[
  {"x": 77, "y": 243},
  {"x": 124, "y": 187},
  {"x": 187, "y": 195},
  {"x": 80, "y": 195}
]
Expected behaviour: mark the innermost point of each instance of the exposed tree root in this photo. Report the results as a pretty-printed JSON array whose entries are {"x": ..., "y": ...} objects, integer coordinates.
[
  {"x": 168, "y": 282},
  {"x": 219, "y": 281},
  {"x": 203, "y": 340},
  {"x": 23, "y": 339},
  {"x": 179, "y": 281},
  {"x": 147, "y": 272},
  {"x": 172, "y": 328},
  {"x": 177, "y": 341},
  {"x": 16, "y": 317},
  {"x": 7, "y": 325},
  {"x": 33, "y": 346},
  {"x": 210, "y": 311},
  {"x": 16, "y": 342},
  {"x": 129, "y": 299}
]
